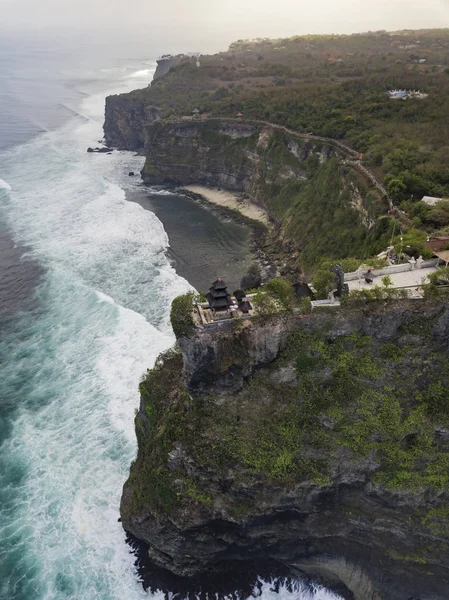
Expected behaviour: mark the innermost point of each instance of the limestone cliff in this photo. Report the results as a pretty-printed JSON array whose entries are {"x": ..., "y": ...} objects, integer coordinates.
[
  {"x": 319, "y": 441},
  {"x": 318, "y": 203},
  {"x": 124, "y": 119}
]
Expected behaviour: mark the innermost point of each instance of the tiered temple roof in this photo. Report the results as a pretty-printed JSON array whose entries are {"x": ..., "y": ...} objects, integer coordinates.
[
  {"x": 245, "y": 305},
  {"x": 218, "y": 296}
]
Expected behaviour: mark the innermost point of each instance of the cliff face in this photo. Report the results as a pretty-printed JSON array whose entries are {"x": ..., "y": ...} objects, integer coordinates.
[
  {"x": 320, "y": 441},
  {"x": 213, "y": 153},
  {"x": 163, "y": 66},
  {"x": 124, "y": 119},
  {"x": 319, "y": 204}
]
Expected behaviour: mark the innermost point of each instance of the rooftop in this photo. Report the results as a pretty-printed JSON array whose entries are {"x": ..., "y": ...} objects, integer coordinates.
[{"x": 431, "y": 200}]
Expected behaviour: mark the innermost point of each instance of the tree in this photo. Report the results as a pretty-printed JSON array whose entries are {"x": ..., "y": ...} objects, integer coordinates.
[
  {"x": 281, "y": 291},
  {"x": 413, "y": 243},
  {"x": 396, "y": 187}
]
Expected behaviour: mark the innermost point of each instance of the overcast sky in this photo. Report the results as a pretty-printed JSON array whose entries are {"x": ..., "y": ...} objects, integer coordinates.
[{"x": 210, "y": 25}]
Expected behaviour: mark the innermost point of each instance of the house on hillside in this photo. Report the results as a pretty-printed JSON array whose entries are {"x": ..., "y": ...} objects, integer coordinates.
[
  {"x": 430, "y": 200},
  {"x": 440, "y": 247},
  {"x": 397, "y": 94},
  {"x": 406, "y": 94}
]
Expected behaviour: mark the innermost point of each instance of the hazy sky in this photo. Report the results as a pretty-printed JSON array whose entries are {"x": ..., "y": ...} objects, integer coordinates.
[{"x": 209, "y": 25}]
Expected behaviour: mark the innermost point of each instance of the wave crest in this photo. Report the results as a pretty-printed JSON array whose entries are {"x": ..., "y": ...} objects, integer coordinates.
[{"x": 4, "y": 185}]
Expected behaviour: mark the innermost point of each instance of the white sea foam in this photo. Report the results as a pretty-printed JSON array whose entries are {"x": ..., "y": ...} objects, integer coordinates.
[
  {"x": 105, "y": 301},
  {"x": 4, "y": 185},
  {"x": 297, "y": 592},
  {"x": 156, "y": 192},
  {"x": 144, "y": 73},
  {"x": 104, "y": 304}
]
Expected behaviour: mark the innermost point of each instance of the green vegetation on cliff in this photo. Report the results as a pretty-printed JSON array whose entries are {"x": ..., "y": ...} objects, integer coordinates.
[
  {"x": 319, "y": 216},
  {"x": 324, "y": 404},
  {"x": 333, "y": 86},
  {"x": 181, "y": 315}
]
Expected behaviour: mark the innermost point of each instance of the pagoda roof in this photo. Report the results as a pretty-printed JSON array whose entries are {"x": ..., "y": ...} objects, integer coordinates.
[
  {"x": 219, "y": 284},
  {"x": 239, "y": 294},
  {"x": 218, "y": 293},
  {"x": 219, "y": 301},
  {"x": 245, "y": 305}
]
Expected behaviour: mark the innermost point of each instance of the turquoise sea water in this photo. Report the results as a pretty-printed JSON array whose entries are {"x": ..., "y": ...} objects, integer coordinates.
[{"x": 86, "y": 292}]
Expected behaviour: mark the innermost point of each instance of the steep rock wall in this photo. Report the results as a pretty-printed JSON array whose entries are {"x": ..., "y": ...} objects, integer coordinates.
[
  {"x": 318, "y": 204},
  {"x": 319, "y": 441},
  {"x": 235, "y": 156},
  {"x": 124, "y": 121}
]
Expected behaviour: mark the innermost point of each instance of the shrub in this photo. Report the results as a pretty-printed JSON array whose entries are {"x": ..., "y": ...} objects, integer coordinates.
[
  {"x": 374, "y": 294},
  {"x": 439, "y": 284},
  {"x": 181, "y": 315},
  {"x": 323, "y": 281},
  {"x": 387, "y": 282},
  {"x": 376, "y": 263},
  {"x": 305, "y": 305},
  {"x": 440, "y": 277},
  {"x": 413, "y": 243},
  {"x": 281, "y": 291},
  {"x": 265, "y": 304}
]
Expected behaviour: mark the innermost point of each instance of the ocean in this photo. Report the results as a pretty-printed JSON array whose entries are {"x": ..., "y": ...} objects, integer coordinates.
[{"x": 86, "y": 281}]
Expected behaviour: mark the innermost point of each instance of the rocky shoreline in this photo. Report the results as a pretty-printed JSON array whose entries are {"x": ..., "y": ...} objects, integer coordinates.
[
  {"x": 235, "y": 580},
  {"x": 262, "y": 246}
]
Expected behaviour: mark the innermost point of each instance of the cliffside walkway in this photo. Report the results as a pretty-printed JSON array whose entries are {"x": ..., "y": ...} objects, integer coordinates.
[{"x": 352, "y": 155}]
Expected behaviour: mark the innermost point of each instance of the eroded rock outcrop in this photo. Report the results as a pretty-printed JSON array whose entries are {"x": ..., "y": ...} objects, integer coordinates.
[
  {"x": 320, "y": 441},
  {"x": 125, "y": 120},
  {"x": 241, "y": 157}
]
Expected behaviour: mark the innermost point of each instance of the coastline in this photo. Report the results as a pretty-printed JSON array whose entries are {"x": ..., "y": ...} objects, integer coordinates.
[
  {"x": 228, "y": 206},
  {"x": 230, "y": 200},
  {"x": 204, "y": 240}
]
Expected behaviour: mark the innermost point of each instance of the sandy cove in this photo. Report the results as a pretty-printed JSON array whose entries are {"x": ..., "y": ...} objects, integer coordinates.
[{"x": 230, "y": 200}]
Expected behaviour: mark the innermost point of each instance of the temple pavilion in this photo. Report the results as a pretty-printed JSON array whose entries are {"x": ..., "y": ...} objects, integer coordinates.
[
  {"x": 245, "y": 305},
  {"x": 218, "y": 296}
]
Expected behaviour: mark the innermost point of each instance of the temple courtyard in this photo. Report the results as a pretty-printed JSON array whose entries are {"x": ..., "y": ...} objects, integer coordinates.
[{"x": 406, "y": 279}]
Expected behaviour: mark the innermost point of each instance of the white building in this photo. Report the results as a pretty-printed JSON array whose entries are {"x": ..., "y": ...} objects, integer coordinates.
[{"x": 430, "y": 200}]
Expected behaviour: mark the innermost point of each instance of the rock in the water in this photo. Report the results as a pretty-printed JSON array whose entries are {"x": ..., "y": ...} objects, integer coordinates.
[
  {"x": 99, "y": 150},
  {"x": 131, "y": 173}
]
